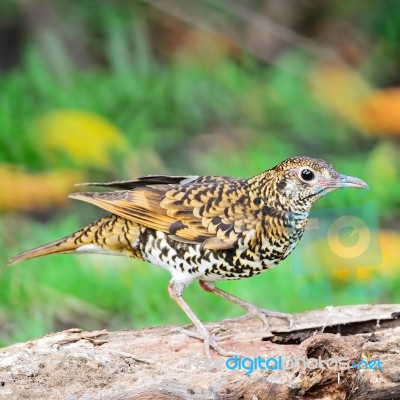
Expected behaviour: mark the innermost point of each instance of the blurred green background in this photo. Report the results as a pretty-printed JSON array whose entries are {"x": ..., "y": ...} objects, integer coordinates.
[{"x": 101, "y": 90}]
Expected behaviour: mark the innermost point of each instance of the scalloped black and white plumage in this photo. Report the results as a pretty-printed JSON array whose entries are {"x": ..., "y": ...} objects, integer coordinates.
[{"x": 205, "y": 227}]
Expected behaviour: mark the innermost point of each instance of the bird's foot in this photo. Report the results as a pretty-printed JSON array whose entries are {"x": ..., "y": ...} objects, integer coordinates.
[
  {"x": 210, "y": 341},
  {"x": 263, "y": 315},
  {"x": 198, "y": 335}
]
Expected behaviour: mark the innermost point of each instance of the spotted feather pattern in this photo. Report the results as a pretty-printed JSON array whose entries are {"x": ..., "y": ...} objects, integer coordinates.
[
  {"x": 209, "y": 227},
  {"x": 216, "y": 212}
]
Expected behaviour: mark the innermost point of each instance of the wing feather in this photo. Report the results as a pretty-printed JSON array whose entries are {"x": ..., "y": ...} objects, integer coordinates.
[
  {"x": 143, "y": 181},
  {"x": 213, "y": 211}
]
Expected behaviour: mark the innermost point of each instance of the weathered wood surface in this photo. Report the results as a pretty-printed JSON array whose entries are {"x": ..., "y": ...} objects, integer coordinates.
[{"x": 159, "y": 363}]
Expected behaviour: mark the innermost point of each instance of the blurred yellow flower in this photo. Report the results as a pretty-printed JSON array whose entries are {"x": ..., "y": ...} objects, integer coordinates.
[
  {"x": 86, "y": 138},
  {"x": 382, "y": 111},
  {"x": 20, "y": 191},
  {"x": 343, "y": 90}
]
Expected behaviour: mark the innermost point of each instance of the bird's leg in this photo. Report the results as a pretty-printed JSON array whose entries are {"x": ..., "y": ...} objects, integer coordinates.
[
  {"x": 210, "y": 341},
  {"x": 252, "y": 309}
]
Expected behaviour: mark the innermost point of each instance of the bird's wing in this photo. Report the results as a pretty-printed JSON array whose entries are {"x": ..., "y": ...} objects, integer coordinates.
[
  {"x": 213, "y": 211},
  {"x": 143, "y": 181}
]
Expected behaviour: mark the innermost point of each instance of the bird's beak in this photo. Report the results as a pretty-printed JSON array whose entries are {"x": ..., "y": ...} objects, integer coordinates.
[
  {"x": 344, "y": 181},
  {"x": 352, "y": 182}
]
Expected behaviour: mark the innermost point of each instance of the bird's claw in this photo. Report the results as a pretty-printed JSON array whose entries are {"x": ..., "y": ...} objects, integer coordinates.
[
  {"x": 263, "y": 315},
  {"x": 210, "y": 341}
]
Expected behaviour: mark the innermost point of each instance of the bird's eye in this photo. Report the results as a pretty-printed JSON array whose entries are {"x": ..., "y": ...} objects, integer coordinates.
[{"x": 307, "y": 175}]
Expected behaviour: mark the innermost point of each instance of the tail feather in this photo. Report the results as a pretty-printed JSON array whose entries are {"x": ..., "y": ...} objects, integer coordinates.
[
  {"x": 108, "y": 235},
  {"x": 59, "y": 246}
]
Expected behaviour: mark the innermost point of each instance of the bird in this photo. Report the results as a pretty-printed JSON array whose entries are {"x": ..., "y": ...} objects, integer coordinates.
[{"x": 206, "y": 228}]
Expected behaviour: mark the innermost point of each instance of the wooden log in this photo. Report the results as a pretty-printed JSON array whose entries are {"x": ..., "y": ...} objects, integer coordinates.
[{"x": 162, "y": 363}]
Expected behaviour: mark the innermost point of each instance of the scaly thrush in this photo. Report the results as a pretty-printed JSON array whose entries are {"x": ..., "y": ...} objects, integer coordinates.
[{"x": 209, "y": 228}]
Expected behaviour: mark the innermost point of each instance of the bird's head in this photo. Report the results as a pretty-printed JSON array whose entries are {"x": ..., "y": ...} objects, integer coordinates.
[{"x": 301, "y": 181}]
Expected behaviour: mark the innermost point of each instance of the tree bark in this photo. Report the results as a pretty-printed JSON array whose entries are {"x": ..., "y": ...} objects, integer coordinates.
[{"x": 162, "y": 363}]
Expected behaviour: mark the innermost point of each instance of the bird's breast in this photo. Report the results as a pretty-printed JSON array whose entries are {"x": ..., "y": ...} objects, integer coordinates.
[{"x": 188, "y": 261}]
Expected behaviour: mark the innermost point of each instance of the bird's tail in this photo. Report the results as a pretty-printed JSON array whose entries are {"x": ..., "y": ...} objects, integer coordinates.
[{"x": 108, "y": 235}]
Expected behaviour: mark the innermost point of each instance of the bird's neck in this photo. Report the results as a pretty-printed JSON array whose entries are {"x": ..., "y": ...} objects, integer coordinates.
[{"x": 265, "y": 187}]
